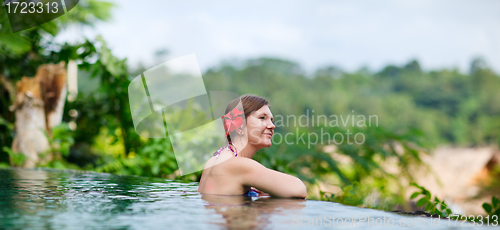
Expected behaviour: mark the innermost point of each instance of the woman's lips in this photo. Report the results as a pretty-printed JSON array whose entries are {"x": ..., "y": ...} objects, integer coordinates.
[{"x": 269, "y": 134}]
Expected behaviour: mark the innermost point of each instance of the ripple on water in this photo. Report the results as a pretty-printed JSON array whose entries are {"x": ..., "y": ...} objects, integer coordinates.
[{"x": 51, "y": 199}]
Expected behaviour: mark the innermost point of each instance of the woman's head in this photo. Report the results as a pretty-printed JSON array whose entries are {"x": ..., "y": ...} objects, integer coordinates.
[{"x": 259, "y": 126}]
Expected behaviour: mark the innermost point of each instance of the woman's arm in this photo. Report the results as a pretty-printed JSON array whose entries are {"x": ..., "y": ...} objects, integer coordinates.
[{"x": 251, "y": 173}]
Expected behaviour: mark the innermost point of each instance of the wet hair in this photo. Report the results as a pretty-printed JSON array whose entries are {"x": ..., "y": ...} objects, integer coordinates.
[{"x": 250, "y": 103}]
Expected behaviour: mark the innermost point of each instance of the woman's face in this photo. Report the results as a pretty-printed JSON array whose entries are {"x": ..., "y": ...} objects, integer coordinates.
[{"x": 260, "y": 127}]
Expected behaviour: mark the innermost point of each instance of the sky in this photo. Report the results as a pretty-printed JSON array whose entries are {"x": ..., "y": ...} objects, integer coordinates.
[{"x": 315, "y": 34}]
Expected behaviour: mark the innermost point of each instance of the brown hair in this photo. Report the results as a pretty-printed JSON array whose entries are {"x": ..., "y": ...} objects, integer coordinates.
[{"x": 251, "y": 103}]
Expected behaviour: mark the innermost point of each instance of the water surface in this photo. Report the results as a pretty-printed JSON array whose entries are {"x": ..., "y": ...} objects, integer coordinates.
[{"x": 52, "y": 199}]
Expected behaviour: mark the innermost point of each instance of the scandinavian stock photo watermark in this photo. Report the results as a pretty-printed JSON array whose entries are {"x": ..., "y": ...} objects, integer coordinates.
[
  {"x": 403, "y": 221},
  {"x": 363, "y": 220},
  {"x": 323, "y": 122}
]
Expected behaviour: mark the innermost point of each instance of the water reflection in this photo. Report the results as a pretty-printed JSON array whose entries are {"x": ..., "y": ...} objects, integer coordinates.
[
  {"x": 27, "y": 193},
  {"x": 38, "y": 198},
  {"x": 52, "y": 199},
  {"x": 249, "y": 212}
]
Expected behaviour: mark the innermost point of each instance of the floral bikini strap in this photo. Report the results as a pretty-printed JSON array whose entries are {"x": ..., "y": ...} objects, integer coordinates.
[{"x": 229, "y": 147}]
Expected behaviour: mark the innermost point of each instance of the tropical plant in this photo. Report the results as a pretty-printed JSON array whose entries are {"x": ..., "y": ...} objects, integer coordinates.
[
  {"x": 493, "y": 208},
  {"x": 16, "y": 159},
  {"x": 433, "y": 206}
]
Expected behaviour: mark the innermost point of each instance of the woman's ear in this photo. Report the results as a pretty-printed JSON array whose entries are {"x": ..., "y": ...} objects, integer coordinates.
[{"x": 240, "y": 131}]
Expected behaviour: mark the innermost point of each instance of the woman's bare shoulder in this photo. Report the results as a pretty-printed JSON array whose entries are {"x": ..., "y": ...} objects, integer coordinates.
[
  {"x": 243, "y": 164},
  {"x": 223, "y": 156}
]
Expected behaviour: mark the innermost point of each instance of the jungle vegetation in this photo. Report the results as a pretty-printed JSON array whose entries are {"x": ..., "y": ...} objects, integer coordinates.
[{"x": 416, "y": 110}]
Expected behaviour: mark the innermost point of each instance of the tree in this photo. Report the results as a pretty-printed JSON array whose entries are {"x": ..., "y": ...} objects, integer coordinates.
[{"x": 22, "y": 53}]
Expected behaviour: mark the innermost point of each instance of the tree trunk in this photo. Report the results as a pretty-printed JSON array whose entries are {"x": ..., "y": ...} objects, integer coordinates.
[{"x": 38, "y": 108}]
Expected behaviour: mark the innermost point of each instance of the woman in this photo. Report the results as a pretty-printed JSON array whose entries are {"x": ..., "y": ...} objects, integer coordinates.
[{"x": 232, "y": 171}]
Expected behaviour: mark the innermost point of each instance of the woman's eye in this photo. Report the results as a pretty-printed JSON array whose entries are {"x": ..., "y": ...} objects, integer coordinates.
[{"x": 262, "y": 117}]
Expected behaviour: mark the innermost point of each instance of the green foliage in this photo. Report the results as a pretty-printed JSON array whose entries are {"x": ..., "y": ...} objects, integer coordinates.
[
  {"x": 379, "y": 145},
  {"x": 14, "y": 44},
  {"x": 5, "y": 123},
  {"x": 7, "y": 129},
  {"x": 108, "y": 105},
  {"x": 363, "y": 195},
  {"x": 87, "y": 13},
  {"x": 62, "y": 139},
  {"x": 155, "y": 159},
  {"x": 350, "y": 195},
  {"x": 432, "y": 206},
  {"x": 156, "y": 156},
  {"x": 446, "y": 105},
  {"x": 16, "y": 159},
  {"x": 363, "y": 171},
  {"x": 493, "y": 208}
]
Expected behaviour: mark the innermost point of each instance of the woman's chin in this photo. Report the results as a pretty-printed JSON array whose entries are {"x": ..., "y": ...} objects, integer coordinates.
[{"x": 267, "y": 143}]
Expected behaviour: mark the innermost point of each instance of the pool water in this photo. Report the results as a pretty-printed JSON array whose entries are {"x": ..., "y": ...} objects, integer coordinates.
[{"x": 51, "y": 199}]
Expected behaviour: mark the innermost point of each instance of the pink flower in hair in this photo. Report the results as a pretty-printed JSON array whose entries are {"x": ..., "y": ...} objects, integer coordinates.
[{"x": 232, "y": 120}]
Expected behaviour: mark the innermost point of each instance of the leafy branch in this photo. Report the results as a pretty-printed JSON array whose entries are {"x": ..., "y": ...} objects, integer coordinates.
[
  {"x": 493, "y": 208},
  {"x": 433, "y": 206}
]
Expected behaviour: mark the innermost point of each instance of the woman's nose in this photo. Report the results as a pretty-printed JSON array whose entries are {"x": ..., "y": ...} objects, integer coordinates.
[{"x": 271, "y": 125}]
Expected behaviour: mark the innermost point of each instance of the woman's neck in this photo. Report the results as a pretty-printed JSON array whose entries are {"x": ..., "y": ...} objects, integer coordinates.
[{"x": 245, "y": 150}]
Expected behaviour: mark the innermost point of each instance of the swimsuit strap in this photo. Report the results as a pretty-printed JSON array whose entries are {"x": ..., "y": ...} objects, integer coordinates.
[
  {"x": 229, "y": 147},
  {"x": 251, "y": 193}
]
